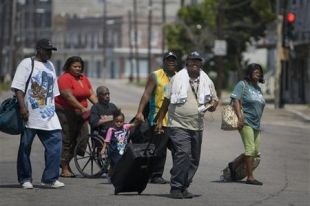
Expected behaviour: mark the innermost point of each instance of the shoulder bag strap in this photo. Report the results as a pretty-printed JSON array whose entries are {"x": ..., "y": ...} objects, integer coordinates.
[
  {"x": 28, "y": 80},
  {"x": 244, "y": 84},
  {"x": 243, "y": 88},
  {"x": 194, "y": 91}
]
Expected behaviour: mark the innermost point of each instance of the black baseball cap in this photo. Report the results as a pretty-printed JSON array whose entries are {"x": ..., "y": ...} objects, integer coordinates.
[
  {"x": 169, "y": 54},
  {"x": 194, "y": 55},
  {"x": 45, "y": 44}
]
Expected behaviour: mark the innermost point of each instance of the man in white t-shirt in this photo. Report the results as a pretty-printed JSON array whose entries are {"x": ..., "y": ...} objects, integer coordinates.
[
  {"x": 37, "y": 109},
  {"x": 189, "y": 95}
]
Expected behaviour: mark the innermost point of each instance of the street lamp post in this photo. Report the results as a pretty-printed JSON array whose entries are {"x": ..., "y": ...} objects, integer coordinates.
[
  {"x": 163, "y": 40},
  {"x": 136, "y": 39},
  {"x": 104, "y": 33},
  {"x": 12, "y": 42},
  {"x": 278, "y": 103},
  {"x": 219, "y": 59},
  {"x": 130, "y": 45},
  {"x": 149, "y": 53}
]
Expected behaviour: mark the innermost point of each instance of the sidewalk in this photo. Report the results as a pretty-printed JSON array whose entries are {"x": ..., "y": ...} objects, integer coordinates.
[{"x": 301, "y": 110}]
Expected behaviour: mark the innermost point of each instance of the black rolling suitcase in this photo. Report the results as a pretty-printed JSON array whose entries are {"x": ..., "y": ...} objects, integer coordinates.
[{"x": 132, "y": 172}]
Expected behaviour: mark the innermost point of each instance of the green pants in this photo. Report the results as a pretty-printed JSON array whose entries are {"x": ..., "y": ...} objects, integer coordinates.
[{"x": 251, "y": 140}]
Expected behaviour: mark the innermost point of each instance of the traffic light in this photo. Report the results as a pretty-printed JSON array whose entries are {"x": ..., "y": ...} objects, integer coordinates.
[
  {"x": 289, "y": 28},
  {"x": 290, "y": 18}
]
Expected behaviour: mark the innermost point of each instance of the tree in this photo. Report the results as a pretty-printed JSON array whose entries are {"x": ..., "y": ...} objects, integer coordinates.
[{"x": 242, "y": 21}]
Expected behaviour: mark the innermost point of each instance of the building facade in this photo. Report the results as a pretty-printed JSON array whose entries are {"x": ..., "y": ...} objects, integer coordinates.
[
  {"x": 130, "y": 56},
  {"x": 107, "y": 54},
  {"x": 22, "y": 23},
  {"x": 116, "y": 38}
]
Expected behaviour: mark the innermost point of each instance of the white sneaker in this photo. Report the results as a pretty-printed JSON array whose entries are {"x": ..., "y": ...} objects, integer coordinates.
[
  {"x": 27, "y": 185},
  {"x": 56, "y": 184},
  {"x": 109, "y": 181}
]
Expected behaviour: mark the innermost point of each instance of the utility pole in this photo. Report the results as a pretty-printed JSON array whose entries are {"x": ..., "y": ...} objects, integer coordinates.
[
  {"x": 104, "y": 38},
  {"x": 163, "y": 34},
  {"x": 280, "y": 56},
  {"x": 149, "y": 43},
  {"x": 34, "y": 19},
  {"x": 12, "y": 42},
  {"x": 3, "y": 11},
  {"x": 130, "y": 45},
  {"x": 136, "y": 39},
  {"x": 219, "y": 59},
  {"x": 182, "y": 3}
]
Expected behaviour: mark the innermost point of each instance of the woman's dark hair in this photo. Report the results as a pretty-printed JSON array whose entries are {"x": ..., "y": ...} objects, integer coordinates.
[
  {"x": 117, "y": 113},
  {"x": 72, "y": 60},
  {"x": 250, "y": 69}
]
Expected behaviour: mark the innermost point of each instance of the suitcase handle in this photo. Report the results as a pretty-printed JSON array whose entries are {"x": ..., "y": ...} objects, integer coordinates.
[{"x": 146, "y": 129}]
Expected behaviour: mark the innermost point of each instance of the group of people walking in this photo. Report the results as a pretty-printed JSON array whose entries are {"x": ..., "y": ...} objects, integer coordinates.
[{"x": 56, "y": 109}]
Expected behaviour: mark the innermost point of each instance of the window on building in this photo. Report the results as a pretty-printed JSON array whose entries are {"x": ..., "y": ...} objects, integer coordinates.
[
  {"x": 86, "y": 68},
  {"x": 58, "y": 67},
  {"x": 139, "y": 38},
  {"x": 98, "y": 68},
  {"x": 92, "y": 41},
  {"x": 100, "y": 39},
  {"x": 154, "y": 38},
  {"x": 75, "y": 39},
  {"x": 89, "y": 40},
  {"x": 79, "y": 40}
]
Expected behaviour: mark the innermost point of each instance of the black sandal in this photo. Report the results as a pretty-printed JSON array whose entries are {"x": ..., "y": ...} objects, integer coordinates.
[
  {"x": 253, "y": 182},
  {"x": 67, "y": 175}
]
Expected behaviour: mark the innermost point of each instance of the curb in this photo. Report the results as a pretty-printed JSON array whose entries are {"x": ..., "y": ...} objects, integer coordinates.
[{"x": 301, "y": 115}]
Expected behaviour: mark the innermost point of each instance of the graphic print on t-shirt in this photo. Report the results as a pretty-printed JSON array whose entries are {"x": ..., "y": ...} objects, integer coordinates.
[
  {"x": 256, "y": 95},
  {"x": 41, "y": 94},
  {"x": 121, "y": 137}
]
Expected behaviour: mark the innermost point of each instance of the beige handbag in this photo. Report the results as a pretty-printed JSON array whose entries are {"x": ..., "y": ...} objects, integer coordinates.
[{"x": 229, "y": 116}]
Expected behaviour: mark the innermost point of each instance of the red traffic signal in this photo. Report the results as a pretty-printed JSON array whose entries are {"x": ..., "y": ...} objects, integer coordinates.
[
  {"x": 288, "y": 33},
  {"x": 290, "y": 17}
]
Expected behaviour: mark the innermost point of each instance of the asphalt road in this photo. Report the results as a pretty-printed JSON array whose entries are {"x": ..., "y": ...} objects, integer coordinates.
[{"x": 284, "y": 167}]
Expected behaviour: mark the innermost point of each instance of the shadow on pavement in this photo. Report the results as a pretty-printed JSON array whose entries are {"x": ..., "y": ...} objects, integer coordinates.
[
  {"x": 220, "y": 181},
  {"x": 10, "y": 186},
  {"x": 17, "y": 186},
  {"x": 155, "y": 195}
]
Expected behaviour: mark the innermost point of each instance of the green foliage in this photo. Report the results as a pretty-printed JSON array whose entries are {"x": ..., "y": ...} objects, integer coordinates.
[
  {"x": 193, "y": 30},
  {"x": 174, "y": 38},
  {"x": 4, "y": 86},
  {"x": 264, "y": 9},
  {"x": 242, "y": 22},
  {"x": 191, "y": 15},
  {"x": 210, "y": 12}
]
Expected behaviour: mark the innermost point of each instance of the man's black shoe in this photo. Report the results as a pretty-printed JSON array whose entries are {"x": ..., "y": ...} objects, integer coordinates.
[
  {"x": 158, "y": 180},
  {"x": 176, "y": 194},
  {"x": 253, "y": 182},
  {"x": 187, "y": 194}
]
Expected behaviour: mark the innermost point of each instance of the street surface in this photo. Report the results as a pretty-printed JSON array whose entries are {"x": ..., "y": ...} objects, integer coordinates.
[{"x": 284, "y": 168}]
